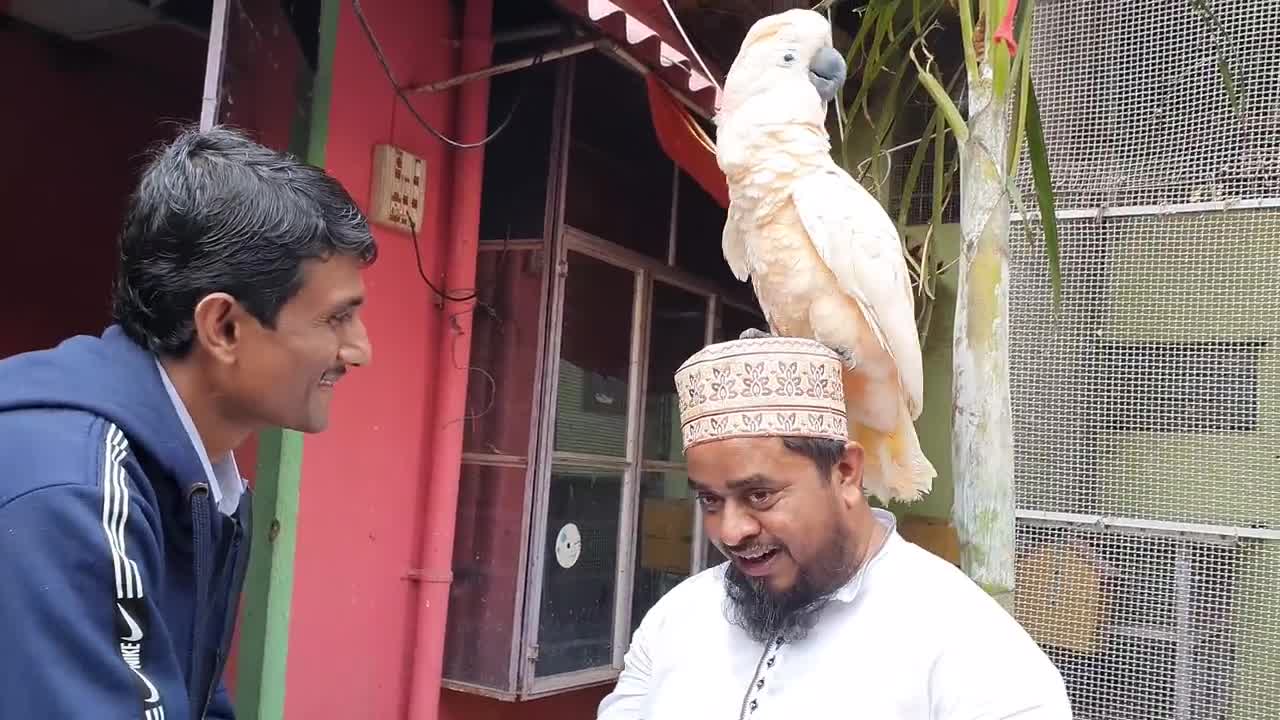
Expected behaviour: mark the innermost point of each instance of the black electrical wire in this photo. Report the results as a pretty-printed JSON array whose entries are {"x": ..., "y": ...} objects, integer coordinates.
[
  {"x": 417, "y": 256},
  {"x": 404, "y": 98}
]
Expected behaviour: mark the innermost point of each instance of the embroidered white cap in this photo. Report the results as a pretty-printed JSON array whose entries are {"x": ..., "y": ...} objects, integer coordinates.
[{"x": 761, "y": 387}]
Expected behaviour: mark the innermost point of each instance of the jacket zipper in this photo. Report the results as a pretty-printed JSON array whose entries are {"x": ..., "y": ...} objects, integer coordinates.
[
  {"x": 201, "y": 528},
  {"x": 237, "y": 567}
]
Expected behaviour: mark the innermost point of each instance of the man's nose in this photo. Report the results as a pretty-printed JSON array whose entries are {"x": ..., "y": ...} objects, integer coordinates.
[
  {"x": 357, "y": 350},
  {"x": 736, "y": 525}
]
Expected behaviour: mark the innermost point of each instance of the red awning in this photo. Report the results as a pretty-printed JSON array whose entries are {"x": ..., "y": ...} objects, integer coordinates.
[{"x": 644, "y": 28}]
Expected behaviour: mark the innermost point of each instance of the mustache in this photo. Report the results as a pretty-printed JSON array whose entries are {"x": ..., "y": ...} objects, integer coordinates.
[{"x": 753, "y": 546}]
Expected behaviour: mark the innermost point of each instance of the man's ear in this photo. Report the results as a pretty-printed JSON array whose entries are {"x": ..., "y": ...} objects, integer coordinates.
[
  {"x": 849, "y": 470},
  {"x": 219, "y": 321}
]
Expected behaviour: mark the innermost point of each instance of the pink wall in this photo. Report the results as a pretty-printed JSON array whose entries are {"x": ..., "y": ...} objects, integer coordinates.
[{"x": 363, "y": 480}]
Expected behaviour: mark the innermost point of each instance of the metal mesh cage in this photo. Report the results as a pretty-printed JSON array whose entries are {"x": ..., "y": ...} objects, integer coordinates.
[
  {"x": 1141, "y": 98},
  {"x": 1147, "y": 410},
  {"x": 1155, "y": 393},
  {"x": 1148, "y": 627}
]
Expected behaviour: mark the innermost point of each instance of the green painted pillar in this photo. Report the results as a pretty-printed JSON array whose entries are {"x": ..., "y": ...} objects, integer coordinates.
[{"x": 263, "y": 649}]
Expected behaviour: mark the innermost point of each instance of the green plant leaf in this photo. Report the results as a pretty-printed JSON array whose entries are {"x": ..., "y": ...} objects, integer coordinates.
[
  {"x": 941, "y": 99},
  {"x": 966, "y": 30},
  {"x": 1039, "y": 156},
  {"x": 1023, "y": 26},
  {"x": 1224, "y": 69},
  {"x": 932, "y": 131},
  {"x": 1020, "y": 117}
]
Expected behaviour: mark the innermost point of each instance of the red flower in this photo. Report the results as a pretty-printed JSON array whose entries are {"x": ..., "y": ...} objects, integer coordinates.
[{"x": 1004, "y": 33}]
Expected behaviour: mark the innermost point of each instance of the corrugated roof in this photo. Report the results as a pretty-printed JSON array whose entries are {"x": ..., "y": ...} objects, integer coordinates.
[{"x": 645, "y": 29}]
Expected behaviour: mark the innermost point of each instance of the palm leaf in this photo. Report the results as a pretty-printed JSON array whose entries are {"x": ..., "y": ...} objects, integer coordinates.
[{"x": 1039, "y": 157}]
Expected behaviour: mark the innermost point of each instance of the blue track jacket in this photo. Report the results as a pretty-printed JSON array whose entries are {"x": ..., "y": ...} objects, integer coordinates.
[{"x": 119, "y": 578}]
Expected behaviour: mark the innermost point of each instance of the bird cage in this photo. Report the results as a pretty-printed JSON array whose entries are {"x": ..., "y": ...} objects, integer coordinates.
[{"x": 1147, "y": 407}]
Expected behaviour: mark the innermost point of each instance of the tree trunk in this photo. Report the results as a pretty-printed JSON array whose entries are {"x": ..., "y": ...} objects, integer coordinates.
[{"x": 982, "y": 429}]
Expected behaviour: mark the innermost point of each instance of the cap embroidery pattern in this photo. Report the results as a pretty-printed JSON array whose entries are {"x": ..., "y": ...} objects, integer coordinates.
[{"x": 761, "y": 387}]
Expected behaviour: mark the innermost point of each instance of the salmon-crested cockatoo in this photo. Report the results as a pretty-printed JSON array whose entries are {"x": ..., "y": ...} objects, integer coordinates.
[{"x": 823, "y": 257}]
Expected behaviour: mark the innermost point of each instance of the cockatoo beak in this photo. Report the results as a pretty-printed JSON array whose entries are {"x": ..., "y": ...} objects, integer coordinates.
[{"x": 826, "y": 72}]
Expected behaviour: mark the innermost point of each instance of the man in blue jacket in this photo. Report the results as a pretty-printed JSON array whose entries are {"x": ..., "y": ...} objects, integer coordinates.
[{"x": 123, "y": 518}]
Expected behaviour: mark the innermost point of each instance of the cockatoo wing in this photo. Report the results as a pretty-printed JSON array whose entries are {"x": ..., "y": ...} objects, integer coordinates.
[
  {"x": 733, "y": 244},
  {"x": 859, "y": 243}
]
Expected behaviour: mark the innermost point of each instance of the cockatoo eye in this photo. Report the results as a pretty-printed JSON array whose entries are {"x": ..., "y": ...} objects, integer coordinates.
[{"x": 789, "y": 58}]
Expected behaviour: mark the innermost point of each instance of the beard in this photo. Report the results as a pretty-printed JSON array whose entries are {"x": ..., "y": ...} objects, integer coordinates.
[{"x": 789, "y": 615}]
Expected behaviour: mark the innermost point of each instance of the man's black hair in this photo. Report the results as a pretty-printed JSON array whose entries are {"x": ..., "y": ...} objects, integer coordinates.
[
  {"x": 824, "y": 452},
  {"x": 217, "y": 212}
]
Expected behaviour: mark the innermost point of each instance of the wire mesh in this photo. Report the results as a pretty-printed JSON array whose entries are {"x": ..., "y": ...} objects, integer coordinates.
[
  {"x": 1155, "y": 392},
  {"x": 1149, "y": 627},
  {"x": 1137, "y": 97},
  {"x": 1152, "y": 396}
]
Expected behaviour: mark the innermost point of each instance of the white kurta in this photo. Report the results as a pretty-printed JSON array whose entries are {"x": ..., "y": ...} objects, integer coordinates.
[{"x": 910, "y": 637}]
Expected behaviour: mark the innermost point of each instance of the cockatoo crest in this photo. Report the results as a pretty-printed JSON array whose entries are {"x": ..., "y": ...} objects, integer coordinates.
[{"x": 785, "y": 69}]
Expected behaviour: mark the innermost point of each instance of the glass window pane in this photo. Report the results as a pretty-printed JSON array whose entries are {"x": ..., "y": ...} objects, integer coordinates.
[
  {"x": 595, "y": 358},
  {"x": 504, "y": 345},
  {"x": 517, "y": 163},
  {"x": 666, "y": 539},
  {"x": 484, "y": 596},
  {"x": 575, "y": 628},
  {"x": 678, "y": 327},
  {"x": 732, "y": 321},
  {"x": 699, "y": 226},
  {"x": 619, "y": 183}
]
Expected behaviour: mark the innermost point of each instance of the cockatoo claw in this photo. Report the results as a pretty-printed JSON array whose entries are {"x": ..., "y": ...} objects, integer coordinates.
[{"x": 753, "y": 334}]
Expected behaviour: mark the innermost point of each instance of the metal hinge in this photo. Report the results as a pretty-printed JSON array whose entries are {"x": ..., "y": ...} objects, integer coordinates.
[{"x": 532, "y": 652}]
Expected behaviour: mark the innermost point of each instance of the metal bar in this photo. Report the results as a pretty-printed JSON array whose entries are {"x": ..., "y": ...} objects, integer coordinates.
[
  {"x": 698, "y": 554},
  {"x": 494, "y": 460},
  {"x": 1182, "y": 664},
  {"x": 214, "y": 61},
  {"x": 578, "y": 679},
  {"x": 1146, "y": 632},
  {"x": 506, "y": 67},
  {"x": 588, "y": 460},
  {"x": 1156, "y": 210},
  {"x": 675, "y": 207},
  {"x": 1103, "y": 522},
  {"x": 556, "y": 268},
  {"x": 626, "y": 570},
  {"x": 661, "y": 466},
  {"x": 531, "y": 32},
  {"x": 604, "y": 250},
  {"x": 481, "y": 690},
  {"x": 500, "y": 244}
]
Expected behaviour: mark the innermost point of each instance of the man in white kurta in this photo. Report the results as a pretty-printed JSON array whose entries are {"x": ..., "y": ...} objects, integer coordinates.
[{"x": 823, "y": 610}]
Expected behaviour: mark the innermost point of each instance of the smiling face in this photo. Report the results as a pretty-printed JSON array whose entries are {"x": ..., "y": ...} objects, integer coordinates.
[
  {"x": 779, "y": 517},
  {"x": 285, "y": 375},
  {"x": 790, "y": 516}
]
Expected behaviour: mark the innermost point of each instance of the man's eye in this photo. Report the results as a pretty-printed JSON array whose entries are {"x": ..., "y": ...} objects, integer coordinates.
[
  {"x": 341, "y": 318},
  {"x": 708, "y": 502},
  {"x": 760, "y": 497}
]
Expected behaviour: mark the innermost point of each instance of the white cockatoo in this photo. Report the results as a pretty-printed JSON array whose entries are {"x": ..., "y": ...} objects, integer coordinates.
[{"x": 824, "y": 258}]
